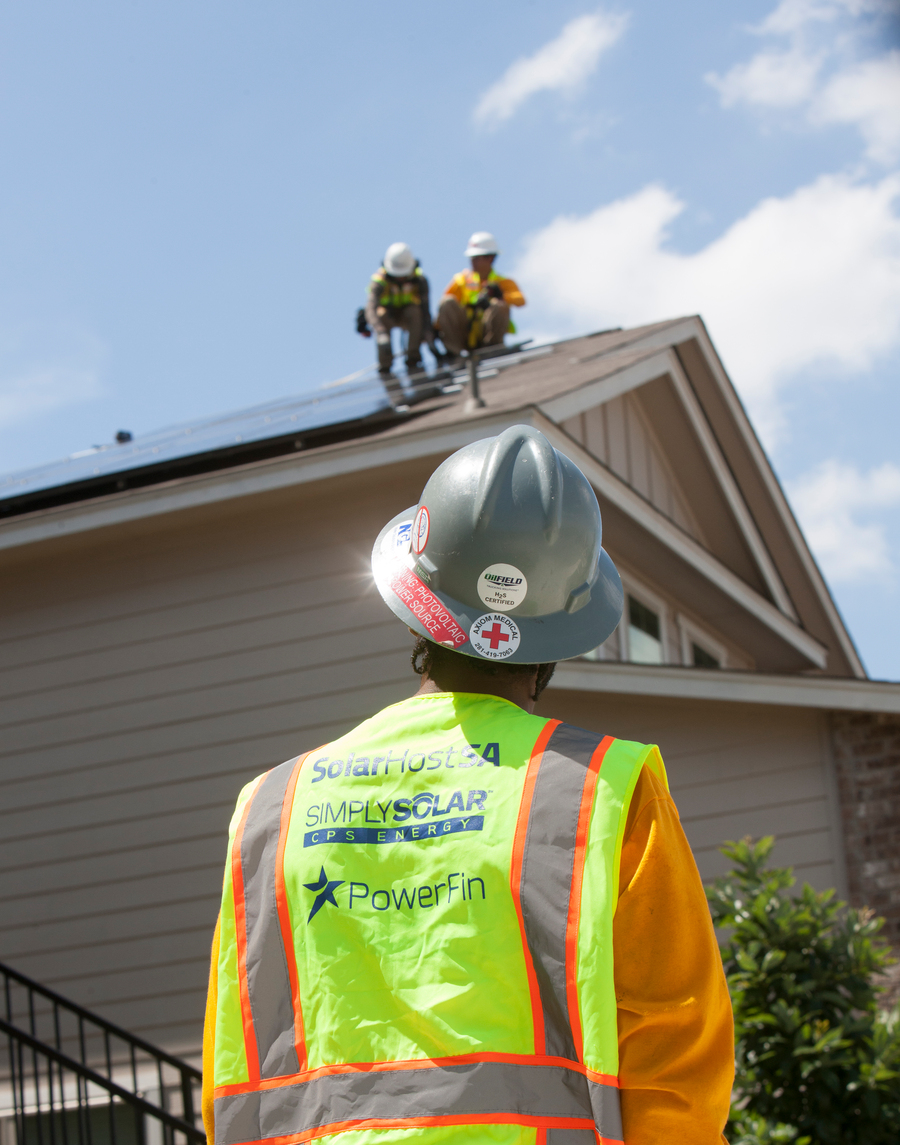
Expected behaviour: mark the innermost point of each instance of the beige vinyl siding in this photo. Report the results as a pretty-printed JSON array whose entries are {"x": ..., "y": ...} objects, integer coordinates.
[
  {"x": 147, "y": 676},
  {"x": 734, "y": 770},
  {"x": 150, "y": 670}
]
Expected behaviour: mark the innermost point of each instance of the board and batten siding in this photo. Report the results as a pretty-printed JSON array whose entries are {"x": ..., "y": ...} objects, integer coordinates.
[{"x": 149, "y": 670}]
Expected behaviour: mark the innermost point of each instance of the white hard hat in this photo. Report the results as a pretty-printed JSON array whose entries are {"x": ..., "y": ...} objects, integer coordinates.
[
  {"x": 482, "y": 242},
  {"x": 399, "y": 260}
]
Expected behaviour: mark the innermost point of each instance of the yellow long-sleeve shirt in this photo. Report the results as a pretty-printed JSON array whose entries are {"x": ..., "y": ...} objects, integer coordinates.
[
  {"x": 676, "y": 1037},
  {"x": 463, "y": 285}
]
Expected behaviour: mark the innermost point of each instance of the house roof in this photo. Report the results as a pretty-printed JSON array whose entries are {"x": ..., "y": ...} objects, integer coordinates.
[{"x": 746, "y": 564}]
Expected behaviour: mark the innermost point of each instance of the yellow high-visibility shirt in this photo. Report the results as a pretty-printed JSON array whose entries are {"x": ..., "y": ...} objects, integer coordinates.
[
  {"x": 676, "y": 1035},
  {"x": 466, "y": 285}
]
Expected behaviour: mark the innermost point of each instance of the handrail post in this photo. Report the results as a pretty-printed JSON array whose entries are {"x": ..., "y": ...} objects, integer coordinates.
[{"x": 187, "y": 1100}]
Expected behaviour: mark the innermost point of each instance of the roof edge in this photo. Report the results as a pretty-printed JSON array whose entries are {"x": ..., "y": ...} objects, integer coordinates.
[
  {"x": 776, "y": 492},
  {"x": 723, "y": 685}
]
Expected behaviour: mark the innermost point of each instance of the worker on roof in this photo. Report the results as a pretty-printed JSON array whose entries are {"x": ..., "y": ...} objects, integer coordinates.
[
  {"x": 461, "y": 918},
  {"x": 474, "y": 311},
  {"x": 397, "y": 299}
]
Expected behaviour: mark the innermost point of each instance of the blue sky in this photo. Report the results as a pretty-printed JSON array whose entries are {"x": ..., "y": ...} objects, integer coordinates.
[{"x": 195, "y": 194}]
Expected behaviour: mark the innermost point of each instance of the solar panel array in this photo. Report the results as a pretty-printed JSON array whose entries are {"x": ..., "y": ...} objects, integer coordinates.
[
  {"x": 355, "y": 398},
  {"x": 349, "y": 399}
]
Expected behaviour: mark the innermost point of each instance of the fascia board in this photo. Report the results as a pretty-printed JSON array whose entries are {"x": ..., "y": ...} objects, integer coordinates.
[
  {"x": 614, "y": 489},
  {"x": 775, "y": 491},
  {"x": 604, "y": 389},
  {"x": 659, "y": 364},
  {"x": 256, "y": 477},
  {"x": 723, "y": 685},
  {"x": 729, "y": 487},
  {"x": 677, "y": 330}
]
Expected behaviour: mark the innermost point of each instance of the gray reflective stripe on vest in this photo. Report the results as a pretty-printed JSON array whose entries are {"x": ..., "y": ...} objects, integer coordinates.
[
  {"x": 571, "y": 1137},
  {"x": 548, "y": 861},
  {"x": 268, "y": 982},
  {"x": 477, "y": 1088},
  {"x": 607, "y": 1110}
]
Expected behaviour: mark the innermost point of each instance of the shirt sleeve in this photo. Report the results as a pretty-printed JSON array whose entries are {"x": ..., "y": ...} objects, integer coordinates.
[
  {"x": 455, "y": 289},
  {"x": 676, "y": 1033},
  {"x": 209, "y": 1041},
  {"x": 511, "y": 292}
]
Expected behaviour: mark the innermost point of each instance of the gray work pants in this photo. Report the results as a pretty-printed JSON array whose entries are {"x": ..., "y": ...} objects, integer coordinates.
[
  {"x": 454, "y": 324},
  {"x": 409, "y": 319}
]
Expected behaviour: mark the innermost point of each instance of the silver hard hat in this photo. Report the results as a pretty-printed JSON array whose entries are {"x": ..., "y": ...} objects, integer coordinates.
[{"x": 501, "y": 559}]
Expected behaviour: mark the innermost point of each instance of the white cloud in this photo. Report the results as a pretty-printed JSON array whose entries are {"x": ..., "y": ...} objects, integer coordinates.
[
  {"x": 829, "y": 503},
  {"x": 792, "y": 16},
  {"x": 560, "y": 65},
  {"x": 45, "y": 368},
  {"x": 867, "y": 96},
  {"x": 812, "y": 278},
  {"x": 821, "y": 74},
  {"x": 770, "y": 79}
]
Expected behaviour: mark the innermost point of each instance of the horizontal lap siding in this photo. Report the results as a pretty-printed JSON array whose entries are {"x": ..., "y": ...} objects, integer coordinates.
[
  {"x": 149, "y": 671},
  {"x": 734, "y": 770},
  {"x": 148, "y": 674}
]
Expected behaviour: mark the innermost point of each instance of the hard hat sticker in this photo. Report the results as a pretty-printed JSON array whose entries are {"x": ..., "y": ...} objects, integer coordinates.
[
  {"x": 494, "y": 636},
  {"x": 421, "y": 528},
  {"x": 396, "y": 540},
  {"x": 427, "y": 608},
  {"x": 502, "y": 587}
]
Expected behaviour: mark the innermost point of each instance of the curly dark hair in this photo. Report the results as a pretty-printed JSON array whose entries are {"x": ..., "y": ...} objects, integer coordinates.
[{"x": 430, "y": 657}]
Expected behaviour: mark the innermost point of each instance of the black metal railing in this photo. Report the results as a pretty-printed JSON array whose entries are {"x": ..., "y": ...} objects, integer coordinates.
[{"x": 72, "y": 1078}]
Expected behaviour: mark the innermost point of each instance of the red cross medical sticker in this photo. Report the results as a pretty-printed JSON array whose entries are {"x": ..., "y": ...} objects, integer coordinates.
[
  {"x": 421, "y": 529},
  {"x": 495, "y": 636},
  {"x": 427, "y": 608}
]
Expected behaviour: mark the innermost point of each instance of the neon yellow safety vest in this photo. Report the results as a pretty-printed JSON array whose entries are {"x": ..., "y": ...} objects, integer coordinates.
[
  {"x": 397, "y": 293},
  {"x": 416, "y": 933},
  {"x": 472, "y": 286}
]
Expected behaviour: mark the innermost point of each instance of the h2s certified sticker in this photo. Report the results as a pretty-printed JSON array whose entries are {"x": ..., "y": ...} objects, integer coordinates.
[{"x": 502, "y": 587}]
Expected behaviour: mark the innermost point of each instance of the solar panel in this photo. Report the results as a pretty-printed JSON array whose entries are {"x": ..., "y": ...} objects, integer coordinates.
[
  {"x": 349, "y": 399},
  {"x": 355, "y": 398}
]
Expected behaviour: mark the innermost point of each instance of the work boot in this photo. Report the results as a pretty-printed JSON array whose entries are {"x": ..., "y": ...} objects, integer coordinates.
[{"x": 414, "y": 366}]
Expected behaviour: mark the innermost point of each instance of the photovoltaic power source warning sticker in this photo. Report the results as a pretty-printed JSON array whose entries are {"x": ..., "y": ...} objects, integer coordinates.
[{"x": 427, "y": 608}]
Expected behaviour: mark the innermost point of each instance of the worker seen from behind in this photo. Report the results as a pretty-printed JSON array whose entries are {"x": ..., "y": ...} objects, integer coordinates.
[
  {"x": 462, "y": 921},
  {"x": 474, "y": 311},
  {"x": 397, "y": 299}
]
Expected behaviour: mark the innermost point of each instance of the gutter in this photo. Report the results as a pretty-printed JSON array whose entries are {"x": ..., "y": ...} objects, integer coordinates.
[{"x": 721, "y": 685}]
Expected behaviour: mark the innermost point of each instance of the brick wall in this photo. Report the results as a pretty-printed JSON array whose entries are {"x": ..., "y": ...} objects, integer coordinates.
[{"x": 867, "y": 758}]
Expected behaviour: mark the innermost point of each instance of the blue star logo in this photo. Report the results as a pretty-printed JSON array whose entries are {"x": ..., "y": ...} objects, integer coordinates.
[{"x": 324, "y": 891}]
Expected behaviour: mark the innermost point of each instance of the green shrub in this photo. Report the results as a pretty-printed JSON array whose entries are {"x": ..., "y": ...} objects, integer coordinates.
[{"x": 816, "y": 1061}]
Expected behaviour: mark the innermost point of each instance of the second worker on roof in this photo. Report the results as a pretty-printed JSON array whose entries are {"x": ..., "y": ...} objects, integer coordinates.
[{"x": 474, "y": 311}]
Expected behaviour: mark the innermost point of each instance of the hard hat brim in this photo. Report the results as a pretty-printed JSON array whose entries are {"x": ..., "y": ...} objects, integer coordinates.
[
  {"x": 438, "y": 617},
  {"x": 471, "y": 252}
]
